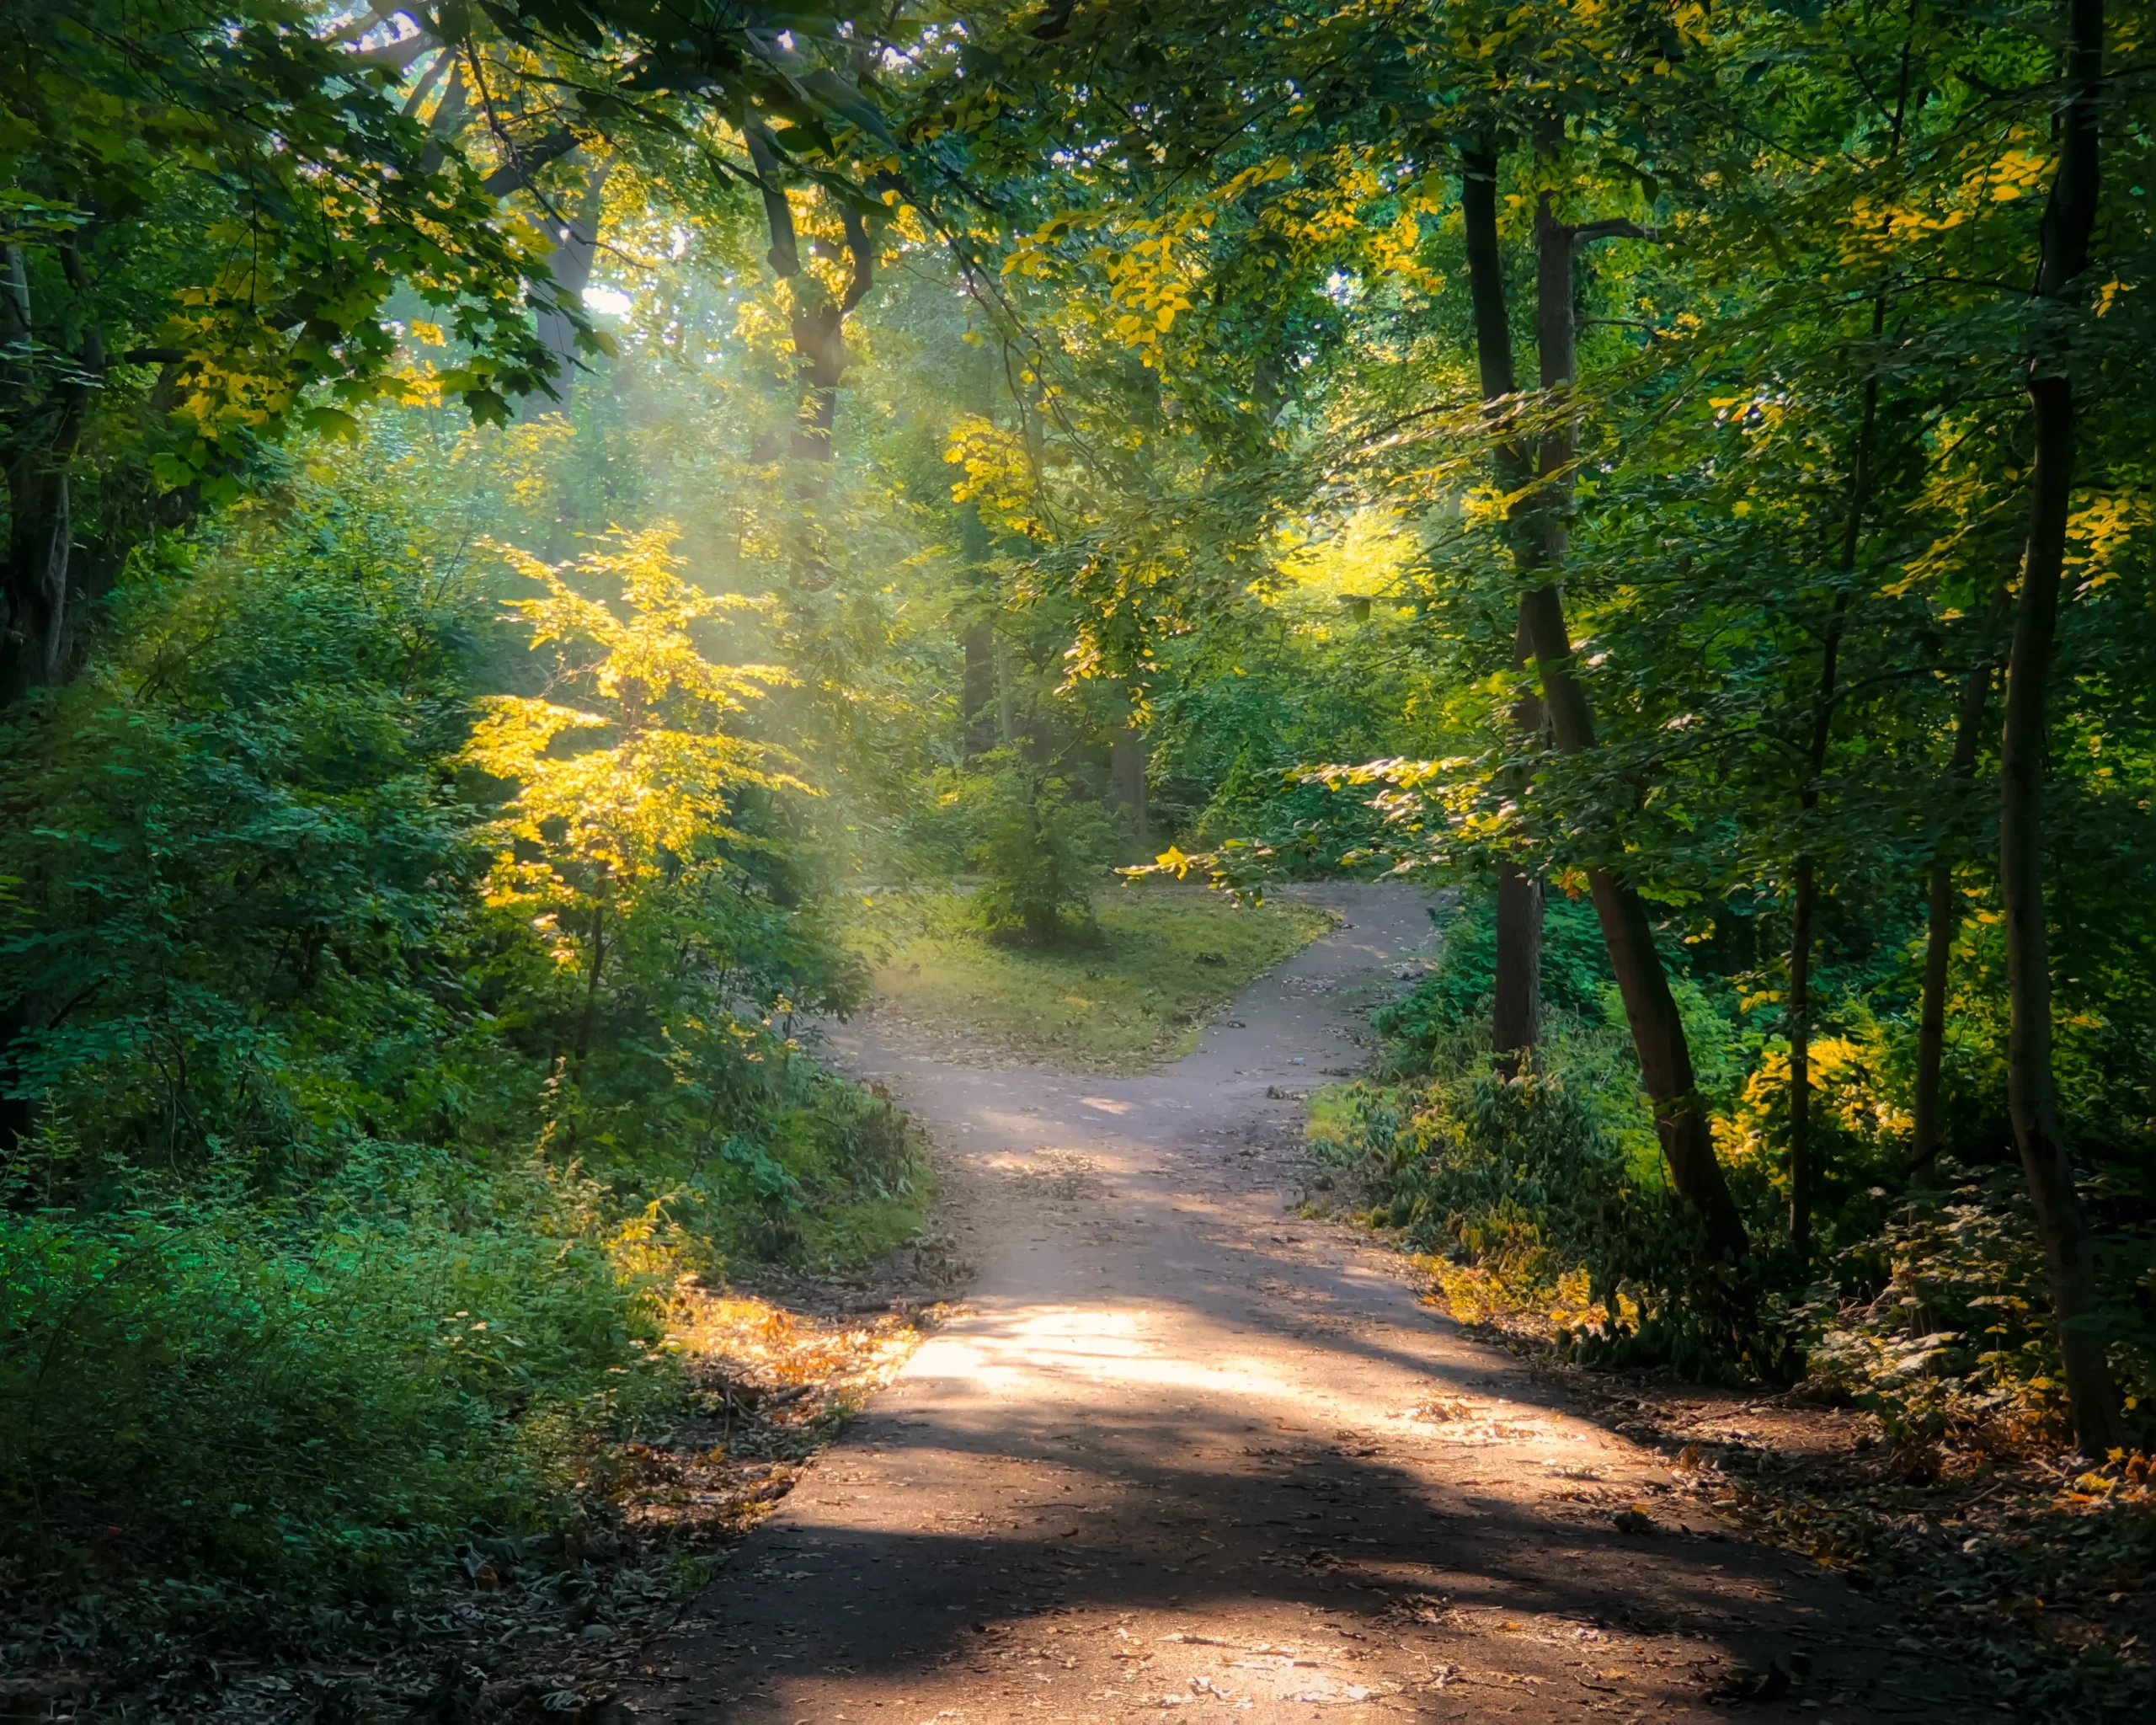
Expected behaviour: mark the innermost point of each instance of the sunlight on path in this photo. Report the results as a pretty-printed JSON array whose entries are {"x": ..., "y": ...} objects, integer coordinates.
[{"x": 1186, "y": 1449}]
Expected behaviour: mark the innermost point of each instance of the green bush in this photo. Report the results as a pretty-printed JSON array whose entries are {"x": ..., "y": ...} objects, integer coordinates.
[
  {"x": 1559, "y": 1171},
  {"x": 320, "y": 1252},
  {"x": 228, "y": 1413},
  {"x": 1040, "y": 850}
]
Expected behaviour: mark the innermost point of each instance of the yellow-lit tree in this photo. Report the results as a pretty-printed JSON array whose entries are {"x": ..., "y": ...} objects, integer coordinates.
[{"x": 633, "y": 784}]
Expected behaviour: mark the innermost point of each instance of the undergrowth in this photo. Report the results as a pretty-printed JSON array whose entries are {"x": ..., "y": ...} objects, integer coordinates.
[
  {"x": 343, "y": 1197},
  {"x": 1541, "y": 1202}
]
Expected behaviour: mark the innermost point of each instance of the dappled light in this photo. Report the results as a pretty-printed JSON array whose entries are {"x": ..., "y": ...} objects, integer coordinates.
[{"x": 1056, "y": 859}]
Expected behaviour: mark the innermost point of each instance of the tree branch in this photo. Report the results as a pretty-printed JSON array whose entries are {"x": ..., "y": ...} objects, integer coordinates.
[{"x": 1616, "y": 228}]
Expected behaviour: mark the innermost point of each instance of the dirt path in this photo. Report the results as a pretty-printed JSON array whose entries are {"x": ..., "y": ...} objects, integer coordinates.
[{"x": 1184, "y": 1451}]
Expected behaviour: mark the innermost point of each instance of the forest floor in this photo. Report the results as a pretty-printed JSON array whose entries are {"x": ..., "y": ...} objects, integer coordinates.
[
  {"x": 1162, "y": 958},
  {"x": 1184, "y": 1447},
  {"x": 1132, "y": 1429}
]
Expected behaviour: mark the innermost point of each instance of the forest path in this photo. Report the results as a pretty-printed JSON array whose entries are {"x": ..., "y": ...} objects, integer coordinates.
[{"x": 1185, "y": 1452}]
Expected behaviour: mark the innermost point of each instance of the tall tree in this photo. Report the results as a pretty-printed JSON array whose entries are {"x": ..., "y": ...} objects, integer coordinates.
[
  {"x": 1659, "y": 1035},
  {"x": 2069, "y": 220},
  {"x": 1516, "y": 1016}
]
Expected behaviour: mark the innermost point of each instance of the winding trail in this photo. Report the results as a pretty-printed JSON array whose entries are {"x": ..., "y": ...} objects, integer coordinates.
[{"x": 1185, "y": 1452}]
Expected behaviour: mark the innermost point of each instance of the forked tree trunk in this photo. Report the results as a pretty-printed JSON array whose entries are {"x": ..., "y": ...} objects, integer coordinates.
[
  {"x": 1657, "y": 1029},
  {"x": 1515, "y": 1015},
  {"x": 818, "y": 321},
  {"x": 2032, "y": 1095}
]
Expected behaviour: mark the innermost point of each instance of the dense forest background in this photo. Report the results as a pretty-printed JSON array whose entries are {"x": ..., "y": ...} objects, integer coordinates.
[{"x": 540, "y": 537}]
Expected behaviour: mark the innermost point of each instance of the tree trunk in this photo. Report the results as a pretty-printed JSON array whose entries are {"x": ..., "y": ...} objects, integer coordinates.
[
  {"x": 1127, "y": 771},
  {"x": 2031, "y": 1096},
  {"x": 40, "y": 538},
  {"x": 820, "y": 354},
  {"x": 37, "y": 648},
  {"x": 1798, "y": 1024},
  {"x": 1658, "y": 1038},
  {"x": 1938, "y": 927},
  {"x": 1515, "y": 1015},
  {"x": 977, "y": 694},
  {"x": 576, "y": 249},
  {"x": 590, "y": 1013},
  {"x": 1516, "y": 1011},
  {"x": 1802, "y": 1170}
]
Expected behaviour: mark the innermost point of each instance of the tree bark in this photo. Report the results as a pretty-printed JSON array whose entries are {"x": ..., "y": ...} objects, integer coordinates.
[
  {"x": 37, "y": 653},
  {"x": 589, "y": 1015},
  {"x": 2032, "y": 1094},
  {"x": 1516, "y": 1014},
  {"x": 1657, "y": 1029},
  {"x": 1804, "y": 886},
  {"x": 576, "y": 249},
  {"x": 977, "y": 693},
  {"x": 1802, "y": 1170},
  {"x": 1516, "y": 1010},
  {"x": 820, "y": 352},
  {"x": 1939, "y": 924},
  {"x": 1127, "y": 771}
]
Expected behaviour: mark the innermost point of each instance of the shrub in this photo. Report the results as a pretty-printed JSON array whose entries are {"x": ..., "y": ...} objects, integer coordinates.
[
  {"x": 353, "y": 1191},
  {"x": 1040, "y": 851},
  {"x": 228, "y": 1415}
]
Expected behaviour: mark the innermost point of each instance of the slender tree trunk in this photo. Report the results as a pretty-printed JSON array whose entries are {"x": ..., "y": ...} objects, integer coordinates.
[
  {"x": 1803, "y": 1172},
  {"x": 591, "y": 982},
  {"x": 977, "y": 692},
  {"x": 1798, "y": 1025},
  {"x": 1515, "y": 1015},
  {"x": 1127, "y": 770},
  {"x": 1802, "y": 1169},
  {"x": 1516, "y": 1012},
  {"x": 1939, "y": 925},
  {"x": 1657, "y": 1029},
  {"x": 37, "y": 652},
  {"x": 2032, "y": 1095}
]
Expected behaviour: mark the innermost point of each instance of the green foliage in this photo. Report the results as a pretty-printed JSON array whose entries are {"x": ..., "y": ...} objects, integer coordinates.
[
  {"x": 351, "y": 1209},
  {"x": 1552, "y": 1176},
  {"x": 219, "y": 1413},
  {"x": 1040, "y": 848},
  {"x": 1933, "y": 1311}
]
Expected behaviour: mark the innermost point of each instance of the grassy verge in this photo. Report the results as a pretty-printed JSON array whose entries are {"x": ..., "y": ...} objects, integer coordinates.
[{"x": 1135, "y": 998}]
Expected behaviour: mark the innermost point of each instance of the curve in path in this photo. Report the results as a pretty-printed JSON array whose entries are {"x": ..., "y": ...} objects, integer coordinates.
[{"x": 1184, "y": 1450}]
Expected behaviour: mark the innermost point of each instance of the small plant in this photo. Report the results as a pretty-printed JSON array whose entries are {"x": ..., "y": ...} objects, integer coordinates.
[{"x": 1040, "y": 852}]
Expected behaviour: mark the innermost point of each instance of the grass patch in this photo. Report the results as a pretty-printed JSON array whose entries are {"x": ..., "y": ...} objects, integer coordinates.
[{"x": 1132, "y": 1000}]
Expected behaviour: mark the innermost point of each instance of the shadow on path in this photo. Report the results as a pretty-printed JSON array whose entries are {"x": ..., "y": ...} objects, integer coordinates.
[{"x": 1187, "y": 1450}]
